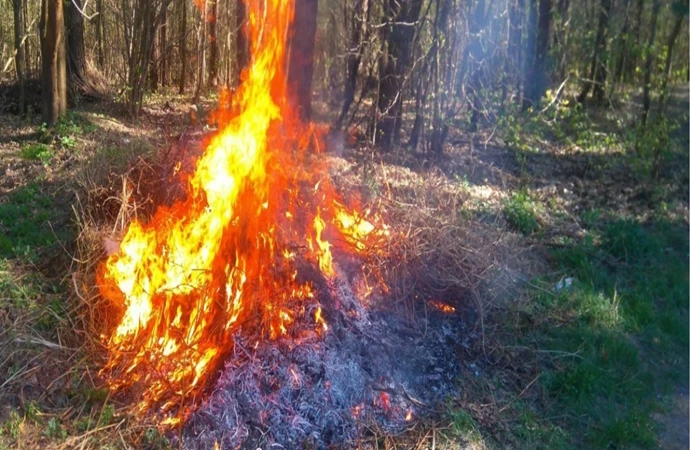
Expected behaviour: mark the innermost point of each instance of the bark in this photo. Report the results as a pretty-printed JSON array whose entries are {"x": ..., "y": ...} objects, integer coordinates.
[
  {"x": 28, "y": 72},
  {"x": 100, "y": 34},
  {"x": 153, "y": 65},
  {"x": 623, "y": 44},
  {"x": 183, "y": 44},
  {"x": 19, "y": 49},
  {"x": 241, "y": 42},
  {"x": 516, "y": 18},
  {"x": 475, "y": 61},
  {"x": 213, "y": 37},
  {"x": 355, "y": 51},
  {"x": 201, "y": 53},
  {"x": 597, "y": 74},
  {"x": 54, "y": 64},
  {"x": 439, "y": 130},
  {"x": 538, "y": 80},
  {"x": 401, "y": 17},
  {"x": 301, "y": 58},
  {"x": 76, "y": 55},
  {"x": 677, "y": 25},
  {"x": 530, "y": 51},
  {"x": 651, "y": 54},
  {"x": 630, "y": 68},
  {"x": 163, "y": 46},
  {"x": 144, "y": 31}
]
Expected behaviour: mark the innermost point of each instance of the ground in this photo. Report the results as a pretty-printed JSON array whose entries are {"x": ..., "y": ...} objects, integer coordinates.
[{"x": 562, "y": 239}]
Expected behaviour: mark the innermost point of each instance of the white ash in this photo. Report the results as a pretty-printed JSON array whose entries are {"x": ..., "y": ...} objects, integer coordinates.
[{"x": 311, "y": 391}]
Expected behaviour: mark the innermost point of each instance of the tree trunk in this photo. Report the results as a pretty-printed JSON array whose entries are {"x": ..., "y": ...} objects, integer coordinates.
[
  {"x": 393, "y": 65},
  {"x": 623, "y": 46},
  {"x": 163, "y": 46},
  {"x": 530, "y": 54},
  {"x": 19, "y": 49},
  {"x": 301, "y": 58},
  {"x": 54, "y": 64},
  {"x": 355, "y": 52},
  {"x": 680, "y": 17},
  {"x": 650, "y": 63},
  {"x": 474, "y": 62},
  {"x": 28, "y": 70},
  {"x": 153, "y": 65},
  {"x": 99, "y": 25},
  {"x": 631, "y": 67},
  {"x": 516, "y": 18},
  {"x": 201, "y": 53},
  {"x": 597, "y": 77},
  {"x": 183, "y": 44},
  {"x": 213, "y": 36},
  {"x": 241, "y": 42},
  {"x": 76, "y": 56}
]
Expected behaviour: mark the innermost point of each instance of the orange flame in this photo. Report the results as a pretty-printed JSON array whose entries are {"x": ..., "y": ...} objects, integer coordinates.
[{"x": 226, "y": 254}]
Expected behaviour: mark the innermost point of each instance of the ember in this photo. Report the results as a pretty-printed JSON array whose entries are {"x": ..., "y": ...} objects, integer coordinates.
[
  {"x": 444, "y": 307},
  {"x": 259, "y": 210}
]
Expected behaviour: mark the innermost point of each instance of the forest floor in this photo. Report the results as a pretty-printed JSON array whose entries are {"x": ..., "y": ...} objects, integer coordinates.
[{"x": 582, "y": 309}]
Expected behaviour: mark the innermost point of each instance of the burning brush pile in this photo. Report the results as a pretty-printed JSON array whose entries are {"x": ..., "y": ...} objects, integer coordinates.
[{"x": 240, "y": 305}]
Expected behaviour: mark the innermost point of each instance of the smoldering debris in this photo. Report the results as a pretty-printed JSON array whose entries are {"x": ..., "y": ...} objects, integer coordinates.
[{"x": 325, "y": 390}]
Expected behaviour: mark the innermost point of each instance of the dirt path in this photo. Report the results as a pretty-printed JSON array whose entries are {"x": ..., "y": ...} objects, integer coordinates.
[{"x": 674, "y": 431}]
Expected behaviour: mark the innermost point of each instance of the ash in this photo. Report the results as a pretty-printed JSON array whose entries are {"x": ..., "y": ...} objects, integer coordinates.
[{"x": 371, "y": 368}]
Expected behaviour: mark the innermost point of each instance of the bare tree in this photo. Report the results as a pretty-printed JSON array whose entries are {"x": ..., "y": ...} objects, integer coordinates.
[
  {"x": 398, "y": 32},
  {"x": 598, "y": 70},
  {"x": 301, "y": 58},
  {"x": 76, "y": 55},
  {"x": 201, "y": 52},
  {"x": 650, "y": 62},
  {"x": 358, "y": 33},
  {"x": 53, "y": 55},
  {"x": 19, "y": 50},
  {"x": 213, "y": 37}
]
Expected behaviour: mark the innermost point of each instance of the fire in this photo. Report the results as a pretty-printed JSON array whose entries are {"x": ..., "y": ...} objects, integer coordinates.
[
  {"x": 226, "y": 255},
  {"x": 443, "y": 307}
]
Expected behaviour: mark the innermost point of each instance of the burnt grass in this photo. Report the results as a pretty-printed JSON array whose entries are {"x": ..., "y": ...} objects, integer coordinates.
[{"x": 574, "y": 336}]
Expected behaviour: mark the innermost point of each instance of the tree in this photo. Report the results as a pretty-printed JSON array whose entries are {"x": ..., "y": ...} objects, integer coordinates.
[
  {"x": 399, "y": 17},
  {"x": 201, "y": 52},
  {"x": 358, "y": 33},
  {"x": 213, "y": 37},
  {"x": 100, "y": 34},
  {"x": 76, "y": 56},
  {"x": 301, "y": 58},
  {"x": 241, "y": 41},
  {"x": 141, "y": 31},
  {"x": 19, "y": 50},
  {"x": 163, "y": 46},
  {"x": 680, "y": 11},
  {"x": 597, "y": 74},
  {"x": 649, "y": 63},
  {"x": 182, "y": 39},
  {"x": 54, "y": 64},
  {"x": 537, "y": 80}
]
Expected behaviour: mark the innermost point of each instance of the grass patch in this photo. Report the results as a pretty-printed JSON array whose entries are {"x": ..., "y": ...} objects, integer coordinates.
[
  {"x": 25, "y": 219},
  {"x": 620, "y": 332},
  {"x": 38, "y": 152},
  {"x": 522, "y": 212}
]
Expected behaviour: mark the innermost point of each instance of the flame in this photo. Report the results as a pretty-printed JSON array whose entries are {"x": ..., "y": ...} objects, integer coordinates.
[
  {"x": 444, "y": 307},
  {"x": 226, "y": 255}
]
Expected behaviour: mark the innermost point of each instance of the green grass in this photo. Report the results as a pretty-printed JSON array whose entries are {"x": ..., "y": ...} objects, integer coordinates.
[
  {"x": 38, "y": 152},
  {"x": 25, "y": 219},
  {"x": 620, "y": 332},
  {"x": 522, "y": 212}
]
